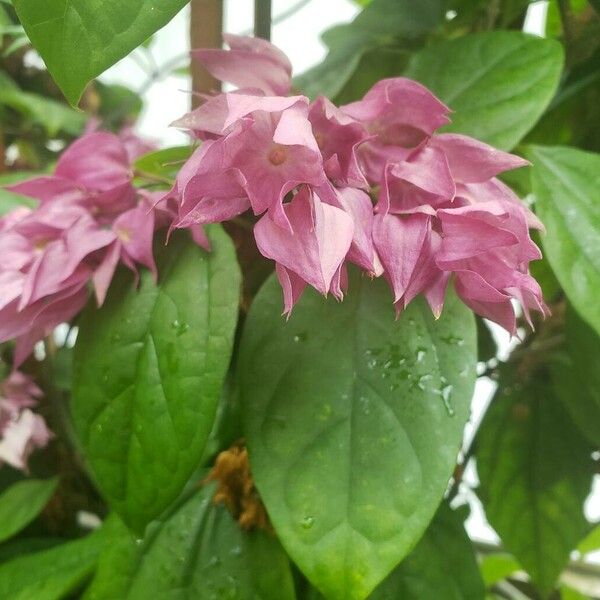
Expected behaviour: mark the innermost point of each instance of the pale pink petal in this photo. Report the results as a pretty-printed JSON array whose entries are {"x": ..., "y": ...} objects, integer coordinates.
[{"x": 472, "y": 161}]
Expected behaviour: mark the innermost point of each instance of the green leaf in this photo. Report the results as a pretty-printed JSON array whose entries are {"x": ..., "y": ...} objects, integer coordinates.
[
  {"x": 496, "y": 567},
  {"x": 22, "y": 502},
  {"x": 119, "y": 105},
  {"x": 565, "y": 184},
  {"x": 80, "y": 39},
  {"x": 380, "y": 23},
  {"x": 199, "y": 551},
  {"x": 163, "y": 164},
  {"x": 53, "y": 116},
  {"x": 376, "y": 64},
  {"x": 591, "y": 542},
  {"x": 50, "y": 574},
  {"x": 498, "y": 83},
  {"x": 577, "y": 377},
  {"x": 343, "y": 406},
  {"x": 568, "y": 593},
  {"x": 442, "y": 565},
  {"x": 535, "y": 472},
  {"x": 148, "y": 371}
]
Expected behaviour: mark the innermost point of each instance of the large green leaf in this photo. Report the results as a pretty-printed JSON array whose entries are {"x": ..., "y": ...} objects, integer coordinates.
[
  {"x": 353, "y": 422},
  {"x": 380, "y": 23},
  {"x": 498, "y": 84},
  {"x": 50, "y": 574},
  {"x": 566, "y": 184},
  {"x": 442, "y": 565},
  {"x": 22, "y": 502},
  {"x": 148, "y": 371},
  {"x": 199, "y": 551},
  {"x": 79, "y": 39},
  {"x": 577, "y": 376},
  {"x": 535, "y": 472}
]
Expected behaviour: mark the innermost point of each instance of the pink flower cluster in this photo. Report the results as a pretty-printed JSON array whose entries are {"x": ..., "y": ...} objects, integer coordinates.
[
  {"x": 370, "y": 183},
  {"x": 21, "y": 430},
  {"x": 89, "y": 218}
]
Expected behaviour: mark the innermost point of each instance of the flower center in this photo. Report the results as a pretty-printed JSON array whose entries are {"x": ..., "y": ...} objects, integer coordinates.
[
  {"x": 124, "y": 234},
  {"x": 278, "y": 155}
]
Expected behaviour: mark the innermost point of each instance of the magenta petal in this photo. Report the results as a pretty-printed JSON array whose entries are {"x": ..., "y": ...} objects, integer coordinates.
[
  {"x": 292, "y": 286},
  {"x": 135, "y": 231},
  {"x": 339, "y": 137},
  {"x": 472, "y": 161},
  {"x": 317, "y": 244},
  {"x": 104, "y": 273},
  {"x": 220, "y": 112},
  {"x": 97, "y": 161},
  {"x": 423, "y": 179},
  {"x": 402, "y": 111},
  {"x": 49, "y": 188},
  {"x": 359, "y": 206},
  {"x": 485, "y": 300},
  {"x": 400, "y": 243},
  {"x": 250, "y": 63}
]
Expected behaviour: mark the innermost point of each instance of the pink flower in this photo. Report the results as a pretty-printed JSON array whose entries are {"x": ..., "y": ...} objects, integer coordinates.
[
  {"x": 312, "y": 250},
  {"x": 206, "y": 190},
  {"x": 89, "y": 219},
  {"x": 338, "y": 137},
  {"x": 21, "y": 430},
  {"x": 400, "y": 114},
  {"x": 488, "y": 247},
  {"x": 132, "y": 243},
  {"x": 93, "y": 172},
  {"x": 408, "y": 245},
  {"x": 250, "y": 63}
]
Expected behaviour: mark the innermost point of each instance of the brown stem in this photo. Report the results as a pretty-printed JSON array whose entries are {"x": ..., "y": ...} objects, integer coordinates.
[
  {"x": 566, "y": 16},
  {"x": 206, "y": 27}
]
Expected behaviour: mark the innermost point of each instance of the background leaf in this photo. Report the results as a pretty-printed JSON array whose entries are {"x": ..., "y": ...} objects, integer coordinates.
[
  {"x": 535, "y": 471},
  {"x": 148, "y": 371},
  {"x": 53, "y": 116},
  {"x": 577, "y": 378},
  {"x": 442, "y": 565},
  {"x": 22, "y": 502},
  {"x": 165, "y": 163},
  {"x": 198, "y": 551},
  {"x": 343, "y": 406},
  {"x": 50, "y": 574},
  {"x": 566, "y": 184},
  {"x": 498, "y": 83},
  {"x": 79, "y": 39},
  {"x": 380, "y": 23}
]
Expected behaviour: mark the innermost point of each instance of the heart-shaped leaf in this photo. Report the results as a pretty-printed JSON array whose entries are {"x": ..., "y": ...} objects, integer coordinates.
[
  {"x": 79, "y": 39},
  {"x": 198, "y": 551},
  {"x": 148, "y": 371},
  {"x": 498, "y": 84},
  {"x": 353, "y": 423}
]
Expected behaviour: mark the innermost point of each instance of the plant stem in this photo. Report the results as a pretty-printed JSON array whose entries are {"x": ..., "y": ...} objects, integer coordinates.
[
  {"x": 206, "y": 27},
  {"x": 262, "y": 19},
  {"x": 566, "y": 16}
]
